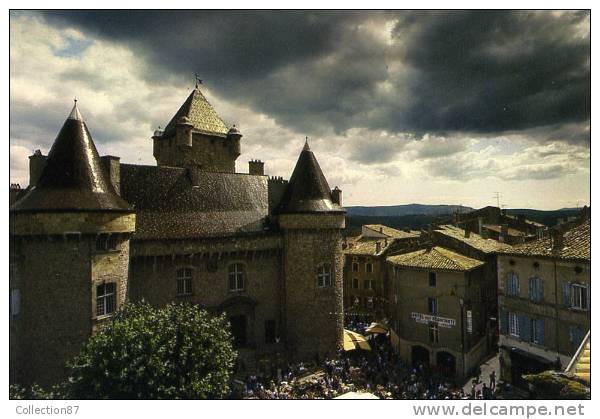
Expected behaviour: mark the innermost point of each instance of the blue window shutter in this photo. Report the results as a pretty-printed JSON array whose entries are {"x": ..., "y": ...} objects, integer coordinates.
[
  {"x": 541, "y": 290},
  {"x": 504, "y": 322},
  {"x": 517, "y": 286},
  {"x": 588, "y": 291},
  {"x": 532, "y": 293},
  {"x": 540, "y": 331},
  {"x": 566, "y": 288},
  {"x": 524, "y": 327}
]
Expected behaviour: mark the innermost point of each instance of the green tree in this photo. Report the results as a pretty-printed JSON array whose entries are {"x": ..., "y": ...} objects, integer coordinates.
[{"x": 176, "y": 352}]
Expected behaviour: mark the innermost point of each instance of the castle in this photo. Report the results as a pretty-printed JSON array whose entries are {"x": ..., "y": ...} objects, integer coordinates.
[{"x": 90, "y": 233}]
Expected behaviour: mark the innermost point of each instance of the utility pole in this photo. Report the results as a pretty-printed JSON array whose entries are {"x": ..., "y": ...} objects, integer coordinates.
[{"x": 497, "y": 196}]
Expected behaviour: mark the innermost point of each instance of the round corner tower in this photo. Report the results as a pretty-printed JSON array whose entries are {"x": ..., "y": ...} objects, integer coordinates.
[
  {"x": 69, "y": 257},
  {"x": 312, "y": 223}
]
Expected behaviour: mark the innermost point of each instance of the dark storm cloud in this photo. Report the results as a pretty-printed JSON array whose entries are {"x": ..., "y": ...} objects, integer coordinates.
[{"x": 439, "y": 72}]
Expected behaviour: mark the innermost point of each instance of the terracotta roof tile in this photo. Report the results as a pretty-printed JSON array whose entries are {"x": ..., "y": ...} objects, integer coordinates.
[
  {"x": 576, "y": 245},
  {"x": 435, "y": 258},
  {"x": 392, "y": 232},
  {"x": 474, "y": 240}
]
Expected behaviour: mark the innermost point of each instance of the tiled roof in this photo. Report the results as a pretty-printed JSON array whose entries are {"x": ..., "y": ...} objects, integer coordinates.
[
  {"x": 307, "y": 190},
  {"x": 366, "y": 246},
  {"x": 201, "y": 114},
  {"x": 73, "y": 178},
  {"x": 435, "y": 258},
  {"x": 474, "y": 240},
  {"x": 498, "y": 229},
  {"x": 392, "y": 232},
  {"x": 576, "y": 245},
  {"x": 173, "y": 202}
]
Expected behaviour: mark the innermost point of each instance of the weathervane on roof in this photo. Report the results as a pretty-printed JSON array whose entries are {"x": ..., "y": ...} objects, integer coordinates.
[{"x": 198, "y": 79}]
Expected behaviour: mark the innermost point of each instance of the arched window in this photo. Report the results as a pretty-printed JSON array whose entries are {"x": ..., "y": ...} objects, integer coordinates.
[
  {"x": 237, "y": 277},
  {"x": 184, "y": 281},
  {"x": 324, "y": 275}
]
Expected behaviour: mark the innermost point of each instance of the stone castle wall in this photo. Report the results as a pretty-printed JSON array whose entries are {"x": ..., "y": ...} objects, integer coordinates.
[
  {"x": 314, "y": 315},
  {"x": 211, "y": 153}
]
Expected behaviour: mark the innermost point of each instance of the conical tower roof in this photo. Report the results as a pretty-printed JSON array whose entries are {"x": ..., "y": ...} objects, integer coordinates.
[
  {"x": 73, "y": 178},
  {"x": 200, "y": 114},
  {"x": 308, "y": 190}
]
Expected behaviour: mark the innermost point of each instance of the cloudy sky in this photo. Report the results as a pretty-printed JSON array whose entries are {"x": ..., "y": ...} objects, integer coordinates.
[{"x": 400, "y": 107}]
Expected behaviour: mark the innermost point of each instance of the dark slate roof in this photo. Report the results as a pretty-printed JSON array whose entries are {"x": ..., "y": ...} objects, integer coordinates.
[
  {"x": 73, "y": 178},
  {"x": 576, "y": 245},
  {"x": 200, "y": 114},
  {"x": 308, "y": 190},
  {"x": 179, "y": 203}
]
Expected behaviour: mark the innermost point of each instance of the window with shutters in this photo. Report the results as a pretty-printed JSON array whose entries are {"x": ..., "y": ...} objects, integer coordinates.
[
  {"x": 536, "y": 289},
  {"x": 579, "y": 297},
  {"x": 354, "y": 266},
  {"x": 537, "y": 331},
  {"x": 354, "y": 282},
  {"x": 184, "y": 281},
  {"x": 369, "y": 267},
  {"x": 237, "y": 277},
  {"x": 324, "y": 275},
  {"x": 369, "y": 284},
  {"x": 106, "y": 299},
  {"x": 432, "y": 305},
  {"x": 512, "y": 284},
  {"x": 513, "y": 324}
]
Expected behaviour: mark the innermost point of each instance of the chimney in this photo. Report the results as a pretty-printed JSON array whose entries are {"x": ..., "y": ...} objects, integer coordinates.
[
  {"x": 37, "y": 161},
  {"x": 381, "y": 229},
  {"x": 557, "y": 239},
  {"x": 467, "y": 231},
  {"x": 112, "y": 169},
  {"x": 377, "y": 247},
  {"x": 256, "y": 167},
  {"x": 336, "y": 196}
]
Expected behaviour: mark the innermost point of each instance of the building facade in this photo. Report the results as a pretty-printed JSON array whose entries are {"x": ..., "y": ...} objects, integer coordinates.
[
  {"x": 436, "y": 312},
  {"x": 90, "y": 233},
  {"x": 365, "y": 273},
  {"x": 544, "y": 293}
]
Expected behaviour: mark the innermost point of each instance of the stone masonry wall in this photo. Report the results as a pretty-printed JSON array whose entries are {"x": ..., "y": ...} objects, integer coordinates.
[{"x": 314, "y": 316}]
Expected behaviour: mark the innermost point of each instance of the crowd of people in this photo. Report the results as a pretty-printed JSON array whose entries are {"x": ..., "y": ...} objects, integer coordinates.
[{"x": 379, "y": 372}]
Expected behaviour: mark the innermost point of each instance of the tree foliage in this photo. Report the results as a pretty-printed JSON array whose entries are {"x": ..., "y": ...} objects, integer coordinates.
[
  {"x": 176, "y": 352},
  {"x": 556, "y": 385}
]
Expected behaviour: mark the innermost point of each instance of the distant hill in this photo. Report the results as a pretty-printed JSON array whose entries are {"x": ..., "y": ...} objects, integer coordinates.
[
  {"x": 409, "y": 209},
  {"x": 418, "y": 217},
  {"x": 548, "y": 218}
]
